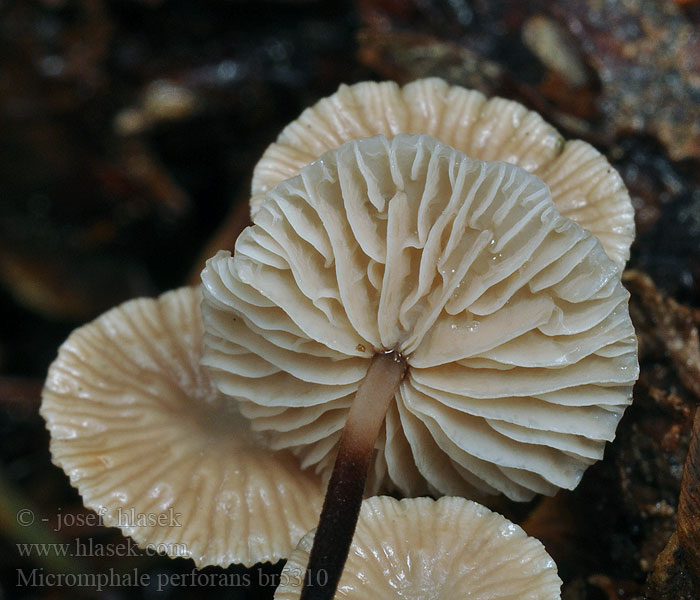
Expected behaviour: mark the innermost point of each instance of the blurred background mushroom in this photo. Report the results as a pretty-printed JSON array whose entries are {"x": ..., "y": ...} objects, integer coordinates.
[
  {"x": 583, "y": 185},
  {"x": 89, "y": 210},
  {"x": 421, "y": 548}
]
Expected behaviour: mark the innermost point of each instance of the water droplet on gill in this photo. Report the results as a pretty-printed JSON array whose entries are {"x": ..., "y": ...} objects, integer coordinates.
[
  {"x": 469, "y": 326},
  {"x": 120, "y": 496},
  {"x": 106, "y": 461}
]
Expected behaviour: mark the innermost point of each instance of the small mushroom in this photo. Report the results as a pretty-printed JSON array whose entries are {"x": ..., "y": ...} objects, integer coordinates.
[
  {"x": 420, "y": 548},
  {"x": 157, "y": 451},
  {"x": 398, "y": 295},
  {"x": 584, "y": 187}
]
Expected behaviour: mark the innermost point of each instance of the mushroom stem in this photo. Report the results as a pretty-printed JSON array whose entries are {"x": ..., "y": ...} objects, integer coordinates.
[{"x": 341, "y": 506}]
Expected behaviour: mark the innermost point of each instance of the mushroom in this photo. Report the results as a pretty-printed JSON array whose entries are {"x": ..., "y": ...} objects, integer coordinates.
[
  {"x": 153, "y": 447},
  {"x": 420, "y": 548},
  {"x": 401, "y": 290},
  {"x": 584, "y": 187}
]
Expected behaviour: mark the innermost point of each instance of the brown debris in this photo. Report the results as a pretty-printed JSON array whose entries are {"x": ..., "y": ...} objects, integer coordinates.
[
  {"x": 404, "y": 56},
  {"x": 647, "y": 56},
  {"x": 654, "y": 182},
  {"x": 149, "y": 177},
  {"x": 59, "y": 284},
  {"x": 643, "y": 469},
  {"x": 664, "y": 325},
  {"x": 616, "y": 589},
  {"x": 676, "y": 573},
  {"x": 553, "y": 523},
  {"x": 688, "y": 528},
  {"x": 449, "y": 19},
  {"x": 602, "y": 70},
  {"x": 671, "y": 579},
  {"x": 41, "y": 285},
  {"x": 548, "y": 40},
  {"x": 410, "y": 40},
  {"x": 648, "y": 489}
]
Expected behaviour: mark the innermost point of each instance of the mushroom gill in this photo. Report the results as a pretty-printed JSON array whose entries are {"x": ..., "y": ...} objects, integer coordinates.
[
  {"x": 400, "y": 294},
  {"x": 511, "y": 319},
  {"x": 157, "y": 451}
]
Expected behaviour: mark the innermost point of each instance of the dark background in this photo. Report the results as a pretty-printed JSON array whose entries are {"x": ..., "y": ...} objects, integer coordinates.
[{"x": 128, "y": 134}]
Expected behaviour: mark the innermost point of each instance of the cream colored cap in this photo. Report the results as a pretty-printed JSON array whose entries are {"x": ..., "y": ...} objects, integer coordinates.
[
  {"x": 513, "y": 322},
  {"x": 419, "y": 548},
  {"x": 155, "y": 450},
  {"x": 583, "y": 185}
]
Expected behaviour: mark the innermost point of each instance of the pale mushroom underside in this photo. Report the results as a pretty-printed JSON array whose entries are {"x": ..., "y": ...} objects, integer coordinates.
[
  {"x": 514, "y": 324},
  {"x": 584, "y": 187},
  {"x": 419, "y": 548},
  {"x": 158, "y": 452}
]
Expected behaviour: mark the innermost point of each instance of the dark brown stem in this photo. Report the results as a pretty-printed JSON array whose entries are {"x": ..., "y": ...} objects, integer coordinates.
[{"x": 341, "y": 506}]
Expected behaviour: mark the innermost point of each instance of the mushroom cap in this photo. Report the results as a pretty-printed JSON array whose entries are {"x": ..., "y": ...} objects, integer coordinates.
[
  {"x": 513, "y": 322},
  {"x": 584, "y": 187},
  {"x": 420, "y": 548},
  {"x": 155, "y": 450}
]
